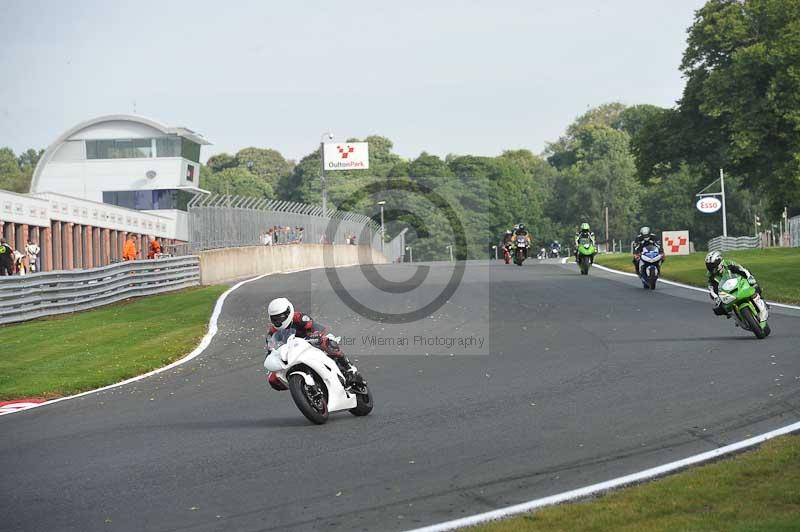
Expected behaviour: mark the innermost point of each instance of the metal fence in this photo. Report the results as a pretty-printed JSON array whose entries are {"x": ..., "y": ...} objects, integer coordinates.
[
  {"x": 44, "y": 294},
  {"x": 221, "y": 221},
  {"x": 395, "y": 249},
  {"x": 794, "y": 231},
  {"x": 726, "y": 243}
]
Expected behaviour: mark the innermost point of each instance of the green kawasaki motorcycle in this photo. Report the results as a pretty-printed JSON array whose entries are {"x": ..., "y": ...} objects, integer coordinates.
[
  {"x": 586, "y": 251},
  {"x": 741, "y": 299}
]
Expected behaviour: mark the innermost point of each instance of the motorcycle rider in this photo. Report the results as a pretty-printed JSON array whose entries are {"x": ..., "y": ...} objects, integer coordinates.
[
  {"x": 520, "y": 230},
  {"x": 282, "y": 316},
  {"x": 555, "y": 249},
  {"x": 584, "y": 232},
  {"x": 507, "y": 241},
  {"x": 644, "y": 238},
  {"x": 717, "y": 267}
]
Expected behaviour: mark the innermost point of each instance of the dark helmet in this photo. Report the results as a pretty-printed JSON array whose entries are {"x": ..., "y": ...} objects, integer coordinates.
[{"x": 521, "y": 227}]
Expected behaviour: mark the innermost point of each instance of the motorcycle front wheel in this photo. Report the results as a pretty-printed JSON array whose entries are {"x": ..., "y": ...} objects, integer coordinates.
[
  {"x": 311, "y": 400},
  {"x": 364, "y": 403},
  {"x": 753, "y": 323}
]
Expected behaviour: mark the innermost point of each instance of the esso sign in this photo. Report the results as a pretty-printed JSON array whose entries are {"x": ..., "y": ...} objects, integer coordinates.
[{"x": 709, "y": 205}]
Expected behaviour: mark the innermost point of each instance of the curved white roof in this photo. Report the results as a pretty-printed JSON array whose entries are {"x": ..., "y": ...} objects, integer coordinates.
[{"x": 136, "y": 119}]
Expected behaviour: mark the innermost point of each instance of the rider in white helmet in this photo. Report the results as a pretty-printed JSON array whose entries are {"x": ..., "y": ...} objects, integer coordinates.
[
  {"x": 716, "y": 267},
  {"x": 644, "y": 237},
  {"x": 282, "y": 315}
]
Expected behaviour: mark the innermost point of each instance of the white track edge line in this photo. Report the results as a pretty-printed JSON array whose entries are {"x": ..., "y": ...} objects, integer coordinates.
[
  {"x": 204, "y": 343},
  {"x": 618, "y": 482},
  {"x": 681, "y": 285}
]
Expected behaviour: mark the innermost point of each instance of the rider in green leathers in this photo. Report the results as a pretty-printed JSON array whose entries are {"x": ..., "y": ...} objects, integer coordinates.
[
  {"x": 584, "y": 232},
  {"x": 717, "y": 267}
]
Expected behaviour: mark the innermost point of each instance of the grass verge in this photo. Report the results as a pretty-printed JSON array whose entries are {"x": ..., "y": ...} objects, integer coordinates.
[
  {"x": 68, "y": 354},
  {"x": 754, "y": 491},
  {"x": 776, "y": 269}
]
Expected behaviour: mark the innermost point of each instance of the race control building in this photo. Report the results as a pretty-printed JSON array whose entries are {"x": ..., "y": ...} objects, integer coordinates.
[{"x": 101, "y": 180}]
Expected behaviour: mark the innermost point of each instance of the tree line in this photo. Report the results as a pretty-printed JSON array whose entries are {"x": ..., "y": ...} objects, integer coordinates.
[{"x": 739, "y": 111}]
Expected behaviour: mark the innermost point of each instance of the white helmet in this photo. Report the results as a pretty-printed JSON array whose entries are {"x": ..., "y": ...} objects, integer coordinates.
[
  {"x": 713, "y": 261},
  {"x": 644, "y": 231},
  {"x": 280, "y": 312}
]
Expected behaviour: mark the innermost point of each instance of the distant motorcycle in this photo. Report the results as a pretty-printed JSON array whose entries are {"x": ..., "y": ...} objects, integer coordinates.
[
  {"x": 314, "y": 380},
  {"x": 585, "y": 254},
  {"x": 650, "y": 260},
  {"x": 520, "y": 250},
  {"x": 507, "y": 253},
  {"x": 739, "y": 298},
  {"x": 555, "y": 250}
]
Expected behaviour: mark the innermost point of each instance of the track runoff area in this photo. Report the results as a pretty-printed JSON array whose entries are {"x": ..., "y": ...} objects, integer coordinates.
[{"x": 583, "y": 383}]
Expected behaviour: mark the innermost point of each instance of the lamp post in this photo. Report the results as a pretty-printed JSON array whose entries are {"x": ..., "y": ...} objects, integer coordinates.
[
  {"x": 328, "y": 136},
  {"x": 451, "y": 252},
  {"x": 495, "y": 252},
  {"x": 383, "y": 234},
  {"x": 410, "y": 253}
]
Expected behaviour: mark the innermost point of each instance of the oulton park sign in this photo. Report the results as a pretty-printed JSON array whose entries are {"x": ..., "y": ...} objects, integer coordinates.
[{"x": 346, "y": 156}]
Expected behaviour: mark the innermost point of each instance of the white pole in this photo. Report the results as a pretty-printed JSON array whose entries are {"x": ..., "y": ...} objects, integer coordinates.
[
  {"x": 411, "y": 254},
  {"x": 383, "y": 235},
  {"x": 322, "y": 178},
  {"x": 724, "y": 213}
]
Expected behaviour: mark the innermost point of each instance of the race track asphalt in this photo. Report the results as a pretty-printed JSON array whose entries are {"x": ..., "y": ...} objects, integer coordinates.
[{"x": 586, "y": 379}]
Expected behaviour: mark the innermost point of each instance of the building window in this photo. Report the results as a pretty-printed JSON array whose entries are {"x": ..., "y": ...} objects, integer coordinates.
[
  {"x": 149, "y": 200},
  {"x": 119, "y": 149},
  {"x": 168, "y": 147},
  {"x": 191, "y": 150}
]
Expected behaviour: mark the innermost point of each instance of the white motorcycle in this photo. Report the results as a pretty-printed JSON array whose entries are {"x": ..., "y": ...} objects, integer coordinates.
[{"x": 317, "y": 385}]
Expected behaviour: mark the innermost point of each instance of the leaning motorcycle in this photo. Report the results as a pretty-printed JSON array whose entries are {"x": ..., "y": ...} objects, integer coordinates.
[
  {"x": 520, "y": 250},
  {"x": 739, "y": 298},
  {"x": 650, "y": 260},
  {"x": 586, "y": 252},
  {"x": 316, "y": 384}
]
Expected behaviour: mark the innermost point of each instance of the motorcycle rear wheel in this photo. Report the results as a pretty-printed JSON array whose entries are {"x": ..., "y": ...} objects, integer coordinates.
[{"x": 300, "y": 394}]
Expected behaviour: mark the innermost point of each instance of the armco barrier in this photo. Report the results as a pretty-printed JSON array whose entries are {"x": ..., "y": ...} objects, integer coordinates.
[
  {"x": 223, "y": 265},
  {"x": 45, "y": 294},
  {"x": 727, "y": 243}
]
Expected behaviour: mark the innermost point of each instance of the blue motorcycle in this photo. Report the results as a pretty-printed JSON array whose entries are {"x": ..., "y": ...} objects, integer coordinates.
[{"x": 650, "y": 260}]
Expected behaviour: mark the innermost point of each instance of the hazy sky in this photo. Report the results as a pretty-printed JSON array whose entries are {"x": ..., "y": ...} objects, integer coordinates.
[{"x": 444, "y": 77}]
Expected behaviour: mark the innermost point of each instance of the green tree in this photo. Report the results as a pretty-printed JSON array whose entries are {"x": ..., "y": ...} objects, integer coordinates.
[
  {"x": 268, "y": 164},
  {"x": 740, "y": 108},
  {"x": 236, "y": 181},
  {"x": 11, "y": 176}
]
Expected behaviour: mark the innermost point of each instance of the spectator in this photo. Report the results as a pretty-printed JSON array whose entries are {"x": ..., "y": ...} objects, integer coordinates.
[
  {"x": 353, "y": 240},
  {"x": 300, "y": 235},
  {"x": 269, "y": 238},
  {"x": 6, "y": 258},
  {"x": 19, "y": 262},
  {"x": 33, "y": 250},
  {"x": 289, "y": 235},
  {"x": 155, "y": 248},
  {"x": 129, "y": 250}
]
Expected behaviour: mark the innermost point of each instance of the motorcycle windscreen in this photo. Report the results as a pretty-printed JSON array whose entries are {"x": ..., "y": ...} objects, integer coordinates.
[{"x": 279, "y": 338}]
